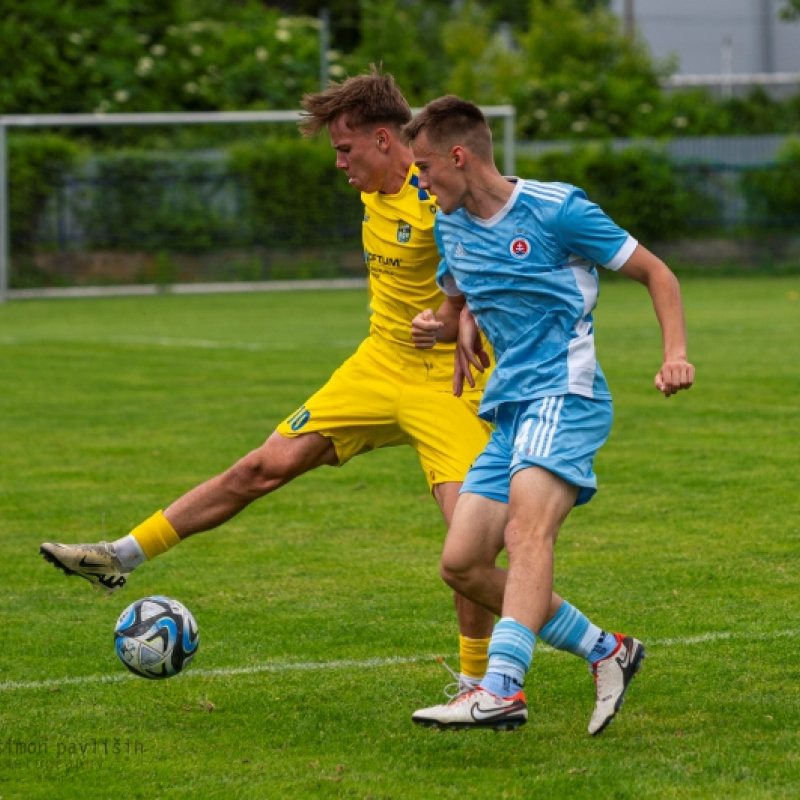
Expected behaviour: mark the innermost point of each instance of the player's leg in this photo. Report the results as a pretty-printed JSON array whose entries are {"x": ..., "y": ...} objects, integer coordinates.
[
  {"x": 469, "y": 566},
  {"x": 476, "y": 520},
  {"x": 262, "y": 471},
  {"x": 581, "y": 429},
  {"x": 324, "y": 430},
  {"x": 539, "y": 502},
  {"x": 479, "y": 528},
  {"x": 476, "y": 535},
  {"x": 613, "y": 658},
  {"x": 475, "y": 622},
  {"x": 265, "y": 469},
  {"x": 468, "y": 562},
  {"x": 448, "y": 435},
  {"x": 474, "y": 541}
]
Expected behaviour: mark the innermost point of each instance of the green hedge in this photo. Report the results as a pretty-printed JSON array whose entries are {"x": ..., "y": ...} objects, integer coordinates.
[
  {"x": 274, "y": 192},
  {"x": 639, "y": 187},
  {"x": 284, "y": 194},
  {"x": 157, "y": 201},
  {"x": 292, "y": 194},
  {"x": 773, "y": 193},
  {"x": 37, "y": 165}
]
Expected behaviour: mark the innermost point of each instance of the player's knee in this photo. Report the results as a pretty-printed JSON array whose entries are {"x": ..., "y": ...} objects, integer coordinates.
[
  {"x": 254, "y": 476},
  {"x": 456, "y": 574},
  {"x": 449, "y": 576}
]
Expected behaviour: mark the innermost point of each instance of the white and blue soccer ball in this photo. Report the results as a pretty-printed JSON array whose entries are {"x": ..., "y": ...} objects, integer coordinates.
[{"x": 156, "y": 637}]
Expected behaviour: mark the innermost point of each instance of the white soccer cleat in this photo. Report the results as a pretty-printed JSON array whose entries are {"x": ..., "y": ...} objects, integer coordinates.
[
  {"x": 97, "y": 563},
  {"x": 476, "y": 709},
  {"x": 612, "y": 675}
]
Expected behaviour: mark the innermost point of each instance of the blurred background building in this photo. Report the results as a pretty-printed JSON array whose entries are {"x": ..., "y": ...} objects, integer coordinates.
[{"x": 716, "y": 37}]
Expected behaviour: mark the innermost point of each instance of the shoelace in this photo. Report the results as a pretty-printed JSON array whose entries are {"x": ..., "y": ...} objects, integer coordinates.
[{"x": 459, "y": 687}]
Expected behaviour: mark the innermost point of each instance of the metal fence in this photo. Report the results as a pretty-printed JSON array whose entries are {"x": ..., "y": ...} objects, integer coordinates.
[
  {"x": 61, "y": 225},
  {"x": 198, "y": 228}
]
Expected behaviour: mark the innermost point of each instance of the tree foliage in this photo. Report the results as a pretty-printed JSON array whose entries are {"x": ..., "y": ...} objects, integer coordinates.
[
  {"x": 152, "y": 55},
  {"x": 564, "y": 64},
  {"x": 582, "y": 76},
  {"x": 638, "y": 187},
  {"x": 790, "y": 9}
]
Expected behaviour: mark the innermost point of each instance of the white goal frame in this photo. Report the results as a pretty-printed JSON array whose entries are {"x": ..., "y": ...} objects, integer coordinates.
[{"x": 505, "y": 112}]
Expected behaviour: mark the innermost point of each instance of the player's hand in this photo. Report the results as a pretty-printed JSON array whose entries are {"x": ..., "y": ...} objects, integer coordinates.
[
  {"x": 424, "y": 328},
  {"x": 469, "y": 352},
  {"x": 673, "y": 376}
]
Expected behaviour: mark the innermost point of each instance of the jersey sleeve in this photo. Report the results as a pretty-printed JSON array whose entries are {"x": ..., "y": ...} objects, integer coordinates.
[
  {"x": 586, "y": 230},
  {"x": 444, "y": 278}
]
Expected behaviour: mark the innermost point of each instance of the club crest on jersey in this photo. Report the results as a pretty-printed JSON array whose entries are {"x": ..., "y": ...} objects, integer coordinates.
[
  {"x": 403, "y": 232},
  {"x": 519, "y": 247}
]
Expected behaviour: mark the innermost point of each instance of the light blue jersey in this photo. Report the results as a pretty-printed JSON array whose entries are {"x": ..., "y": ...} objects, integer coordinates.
[{"x": 530, "y": 279}]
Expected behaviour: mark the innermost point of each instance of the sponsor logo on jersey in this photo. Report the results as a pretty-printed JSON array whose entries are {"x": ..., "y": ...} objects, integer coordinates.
[
  {"x": 519, "y": 247},
  {"x": 403, "y": 232},
  {"x": 376, "y": 259}
]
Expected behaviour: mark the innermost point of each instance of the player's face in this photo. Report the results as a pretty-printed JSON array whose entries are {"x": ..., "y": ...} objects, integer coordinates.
[
  {"x": 438, "y": 174},
  {"x": 359, "y": 155}
]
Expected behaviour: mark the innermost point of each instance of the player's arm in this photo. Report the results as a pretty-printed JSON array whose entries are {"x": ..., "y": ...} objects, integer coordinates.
[
  {"x": 428, "y": 328},
  {"x": 453, "y": 322},
  {"x": 470, "y": 352},
  {"x": 676, "y": 372}
]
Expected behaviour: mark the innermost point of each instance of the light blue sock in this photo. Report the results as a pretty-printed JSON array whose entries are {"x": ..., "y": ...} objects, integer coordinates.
[
  {"x": 510, "y": 656},
  {"x": 570, "y": 630}
]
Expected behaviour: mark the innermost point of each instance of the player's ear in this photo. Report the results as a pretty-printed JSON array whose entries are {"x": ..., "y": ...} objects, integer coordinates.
[
  {"x": 458, "y": 156},
  {"x": 382, "y": 139}
]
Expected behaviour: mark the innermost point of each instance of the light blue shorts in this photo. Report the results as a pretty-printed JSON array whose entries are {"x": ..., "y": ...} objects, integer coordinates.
[{"x": 560, "y": 434}]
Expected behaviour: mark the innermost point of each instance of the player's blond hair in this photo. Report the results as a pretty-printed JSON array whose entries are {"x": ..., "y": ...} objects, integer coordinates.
[
  {"x": 448, "y": 121},
  {"x": 366, "y": 100}
]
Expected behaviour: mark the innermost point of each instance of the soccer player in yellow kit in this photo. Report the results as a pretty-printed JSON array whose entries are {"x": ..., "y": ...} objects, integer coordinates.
[{"x": 388, "y": 393}]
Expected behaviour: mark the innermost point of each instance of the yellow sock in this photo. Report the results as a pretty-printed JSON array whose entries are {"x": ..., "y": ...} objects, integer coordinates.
[
  {"x": 473, "y": 656},
  {"x": 155, "y": 535}
]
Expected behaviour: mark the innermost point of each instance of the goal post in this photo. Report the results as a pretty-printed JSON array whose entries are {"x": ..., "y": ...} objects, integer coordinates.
[{"x": 505, "y": 113}]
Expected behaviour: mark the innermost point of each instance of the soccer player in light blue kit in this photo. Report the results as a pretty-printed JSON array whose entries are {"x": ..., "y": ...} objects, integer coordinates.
[{"x": 519, "y": 265}]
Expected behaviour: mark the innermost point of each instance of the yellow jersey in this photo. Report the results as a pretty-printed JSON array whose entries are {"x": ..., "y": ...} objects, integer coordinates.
[
  {"x": 388, "y": 392},
  {"x": 401, "y": 258}
]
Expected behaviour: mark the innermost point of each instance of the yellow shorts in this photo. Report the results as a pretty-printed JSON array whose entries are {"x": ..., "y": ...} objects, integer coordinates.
[{"x": 384, "y": 396}]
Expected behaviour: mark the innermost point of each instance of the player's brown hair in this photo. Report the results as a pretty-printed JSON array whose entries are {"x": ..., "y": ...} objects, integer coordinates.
[
  {"x": 369, "y": 99},
  {"x": 448, "y": 121}
]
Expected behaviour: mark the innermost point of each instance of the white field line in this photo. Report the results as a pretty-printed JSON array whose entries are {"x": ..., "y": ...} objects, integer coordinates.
[
  {"x": 187, "y": 288},
  {"x": 370, "y": 663},
  {"x": 167, "y": 341}
]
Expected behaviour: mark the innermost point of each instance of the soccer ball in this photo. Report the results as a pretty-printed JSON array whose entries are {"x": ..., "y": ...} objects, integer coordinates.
[{"x": 156, "y": 637}]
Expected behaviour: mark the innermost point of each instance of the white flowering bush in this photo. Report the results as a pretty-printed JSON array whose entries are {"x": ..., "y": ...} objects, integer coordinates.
[{"x": 110, "y": 59}]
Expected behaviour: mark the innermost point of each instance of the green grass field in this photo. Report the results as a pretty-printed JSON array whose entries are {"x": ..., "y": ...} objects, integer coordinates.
[{"x": 320, "y": 608}]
